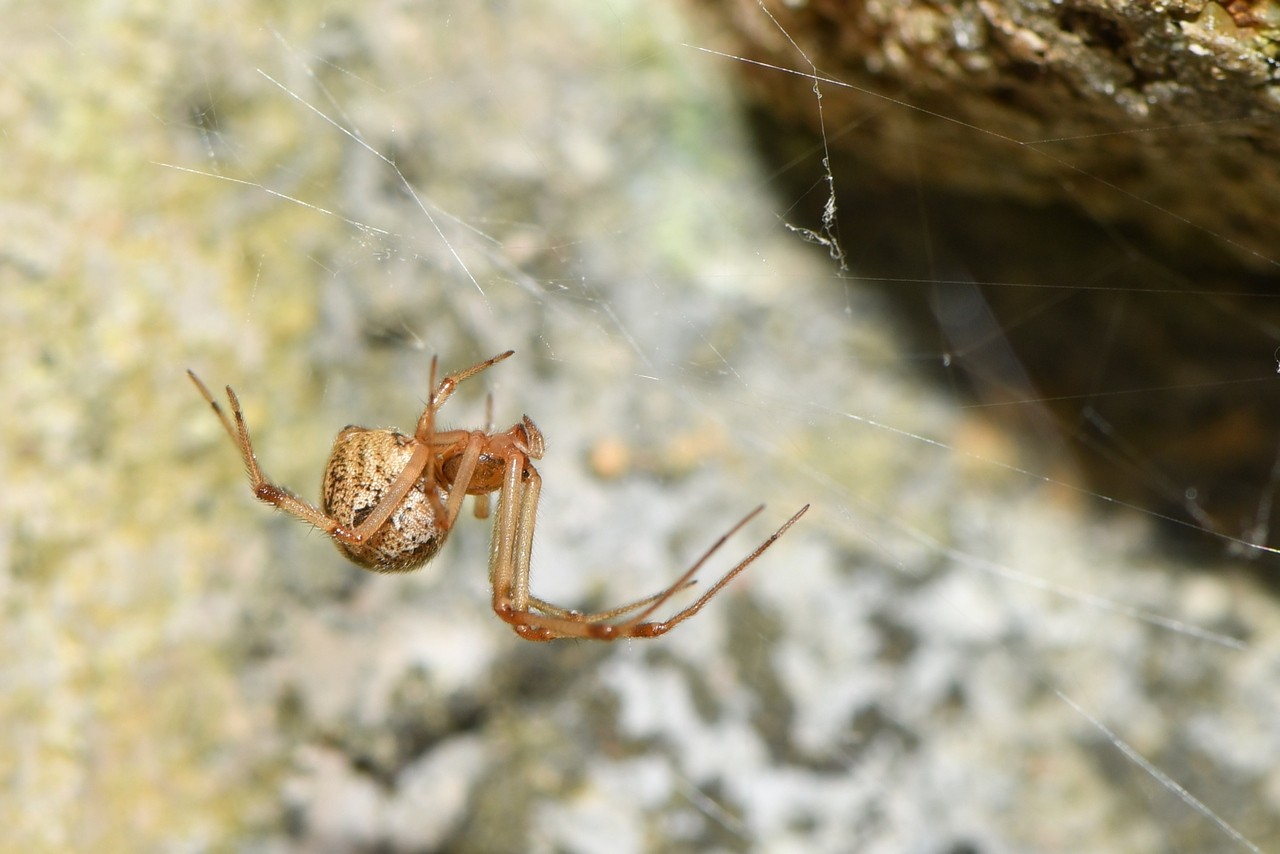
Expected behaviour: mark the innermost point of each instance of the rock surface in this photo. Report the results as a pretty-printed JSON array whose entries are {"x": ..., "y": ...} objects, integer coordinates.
[
  {"x": 183, "y": 670},
  {"x": 1090, "y": 187}
]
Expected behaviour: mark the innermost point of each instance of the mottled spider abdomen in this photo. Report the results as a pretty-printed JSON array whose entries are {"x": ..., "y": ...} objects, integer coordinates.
[{"x": 362, "y": 465}]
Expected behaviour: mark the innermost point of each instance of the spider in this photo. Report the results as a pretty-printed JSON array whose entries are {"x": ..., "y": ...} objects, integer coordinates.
[{"x": 389, "y": 501}]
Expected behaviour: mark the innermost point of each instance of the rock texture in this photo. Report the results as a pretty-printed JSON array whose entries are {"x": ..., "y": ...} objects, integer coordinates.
[
  {"x": 181, "y": 669},
  {"x": 1108, "y": 173}
]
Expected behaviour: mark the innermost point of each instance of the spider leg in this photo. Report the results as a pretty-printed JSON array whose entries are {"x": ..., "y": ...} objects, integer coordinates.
[
  {"x": 426, "y": 428},
  {"x": 524, "y": 535},
  {"x": 426, "y": 433},
  {"x": 511, "y": 548},
  {"x": 480, "y": 503},
  {"x": 685, "y": 580},
  {"x": 462, "y": 477},
  {"x": 450, "y": 383},
  {"x": 559, "y": 622},
  {"x": 217, "y": 410},
  {"x": 501, "y": 566},
  {"x": 571, "y": 614},
  {"x": 517, "y": 581},
  {"x": 263, "y": 489},
  {"x": 635, "y": 627}
]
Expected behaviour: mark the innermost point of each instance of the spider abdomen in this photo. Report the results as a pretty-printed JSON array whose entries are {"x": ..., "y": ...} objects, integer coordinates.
[{"x": 362, "y": 465}]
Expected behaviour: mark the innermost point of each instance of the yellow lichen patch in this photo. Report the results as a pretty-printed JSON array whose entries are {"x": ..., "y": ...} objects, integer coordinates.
[{"x": 121, "y": 724}]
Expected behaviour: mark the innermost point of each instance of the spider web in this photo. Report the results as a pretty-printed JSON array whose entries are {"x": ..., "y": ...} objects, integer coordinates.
[{"x": 955, "y": 627}]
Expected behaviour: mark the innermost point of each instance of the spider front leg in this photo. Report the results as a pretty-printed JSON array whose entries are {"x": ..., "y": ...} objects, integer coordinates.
[{"x": 425, "y": 431}]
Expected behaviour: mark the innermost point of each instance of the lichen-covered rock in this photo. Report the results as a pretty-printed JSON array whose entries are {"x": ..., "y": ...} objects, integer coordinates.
[{"x": 183, "y": 669}]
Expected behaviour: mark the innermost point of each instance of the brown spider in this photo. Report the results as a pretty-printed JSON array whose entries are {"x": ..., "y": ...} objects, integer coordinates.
[{"x": 389, "y": 501}]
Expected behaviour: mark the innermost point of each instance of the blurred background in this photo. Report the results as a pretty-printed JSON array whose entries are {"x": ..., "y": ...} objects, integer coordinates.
[{"x": 964, "y": 646}]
